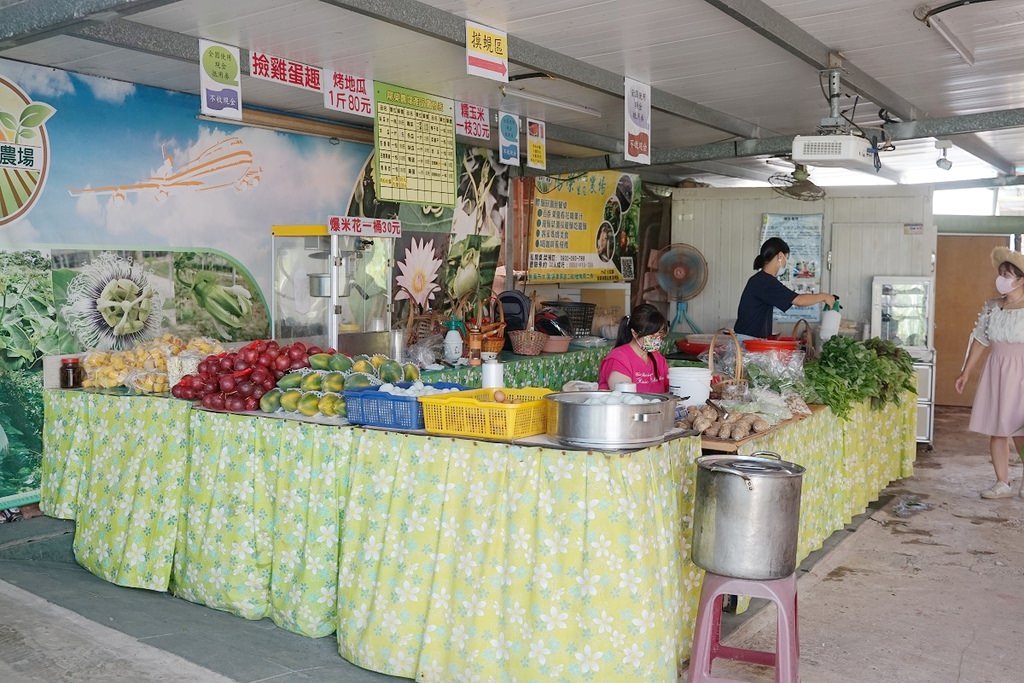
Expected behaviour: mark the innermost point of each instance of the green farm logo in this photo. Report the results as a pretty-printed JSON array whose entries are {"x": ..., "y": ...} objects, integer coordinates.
[{"x": 24, "y": 151}]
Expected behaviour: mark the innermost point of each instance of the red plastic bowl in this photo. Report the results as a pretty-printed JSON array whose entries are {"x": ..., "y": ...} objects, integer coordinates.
[
  {"x": 690, "y": 348},
  {"x": 754, "y": 345}
]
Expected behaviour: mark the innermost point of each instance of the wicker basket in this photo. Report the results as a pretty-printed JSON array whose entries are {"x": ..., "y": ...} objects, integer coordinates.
[
  {"x": 528, "y": 342},
  {"x": 422, "y": 325},
  {"x": 494, "y": 333},
  {"x": 736, "y": 387},
  {"x": 581, "y": 315}
]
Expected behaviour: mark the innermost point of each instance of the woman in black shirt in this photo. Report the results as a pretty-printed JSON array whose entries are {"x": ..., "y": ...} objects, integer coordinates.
[{"x": 764, "y": 292}]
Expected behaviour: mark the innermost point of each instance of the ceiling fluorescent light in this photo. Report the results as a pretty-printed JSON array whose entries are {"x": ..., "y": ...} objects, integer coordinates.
[
  {"x": 954, "y": 40},
  {"x": 544, "y": 99}
]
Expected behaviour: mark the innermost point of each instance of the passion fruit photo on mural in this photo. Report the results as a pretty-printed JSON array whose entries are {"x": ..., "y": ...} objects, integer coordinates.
[{"x": 113, "y": 300}]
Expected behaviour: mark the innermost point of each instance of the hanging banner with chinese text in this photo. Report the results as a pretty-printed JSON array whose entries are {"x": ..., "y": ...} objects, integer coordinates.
[
  {"x": 638, "y": 122},
  {"x": 472, "y": 121},
  {"x": 281, "y": 70},
  {"x": 802, "y": 232},
  {"x": 220, "y": 81},
  {"x": 486, "y": 52},
  {"x": 347, "y": 93},
  {"x": 362, "y": 226},
  {"x": 584, "y": 229},
  {"x": 536, "y": 144},
  {"x": 415, "y": 141}
]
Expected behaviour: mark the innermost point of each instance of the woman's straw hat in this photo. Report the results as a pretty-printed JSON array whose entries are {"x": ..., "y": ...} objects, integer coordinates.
[{"x": 1006, "y": 255}]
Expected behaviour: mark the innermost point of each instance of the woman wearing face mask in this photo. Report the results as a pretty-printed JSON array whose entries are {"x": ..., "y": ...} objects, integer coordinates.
[
  {"x": 636, "y": 358},
  {"x": 998, "y": 409},
  {"x": 764, "y": 292}
]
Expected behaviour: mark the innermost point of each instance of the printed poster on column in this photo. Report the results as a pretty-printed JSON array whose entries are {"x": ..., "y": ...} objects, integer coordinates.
[
  {"x": 508, "y": 143},
  {"x": 802, "y": 232},
  {"x": 220, "y": 81},
  {"x": 415, "y": 141},
  {"x": 584, "y": 228},
  {"x": 638, "y": 122},
  {"x": 536, "y": 145}
]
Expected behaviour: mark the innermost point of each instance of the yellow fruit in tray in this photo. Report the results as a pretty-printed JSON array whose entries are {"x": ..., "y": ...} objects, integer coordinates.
[
  {"x": 328, "y": 405},
  {"x": 411, "y": 372},
  {"x": 378, "y": 359},
  {"x": 333, "y": 381},
  {"x": 290, "y": 400},
  {"x": 312, "y": 382},
  {"x": 364, "y": 366},
  {"x": 309, "y": 404},
  {"x": 360, "y": 380}
]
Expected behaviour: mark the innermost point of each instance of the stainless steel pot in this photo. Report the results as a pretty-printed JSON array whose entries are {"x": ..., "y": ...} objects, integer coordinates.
[
  {"x": 572, "y": 422},
  {"x": 747, "y": 515}
]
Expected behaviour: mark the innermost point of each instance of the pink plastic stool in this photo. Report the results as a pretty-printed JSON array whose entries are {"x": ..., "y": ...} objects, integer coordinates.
[{"x": 707, "y": 648}]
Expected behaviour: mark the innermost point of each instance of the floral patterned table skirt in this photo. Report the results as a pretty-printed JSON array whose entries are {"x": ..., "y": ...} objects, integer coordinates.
[{"x": 432, "y": 558}]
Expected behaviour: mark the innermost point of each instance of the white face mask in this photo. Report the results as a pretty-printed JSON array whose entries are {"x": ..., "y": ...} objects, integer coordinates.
[{"x": 1006, "y": 284}]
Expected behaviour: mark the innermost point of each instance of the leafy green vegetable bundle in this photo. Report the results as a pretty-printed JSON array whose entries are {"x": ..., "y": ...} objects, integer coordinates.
[{"x": 850, "y": 371}]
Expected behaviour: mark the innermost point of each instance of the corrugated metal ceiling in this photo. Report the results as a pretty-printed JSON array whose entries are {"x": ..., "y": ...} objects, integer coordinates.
[{"x": 689, "y": 49}]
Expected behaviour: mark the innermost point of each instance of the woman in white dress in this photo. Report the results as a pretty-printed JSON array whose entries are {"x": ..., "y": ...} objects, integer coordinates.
[{"x": 998, "y": 409}]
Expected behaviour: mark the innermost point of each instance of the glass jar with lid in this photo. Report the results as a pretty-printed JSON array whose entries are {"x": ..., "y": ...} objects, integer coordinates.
[{"x": 71, "y": 373}]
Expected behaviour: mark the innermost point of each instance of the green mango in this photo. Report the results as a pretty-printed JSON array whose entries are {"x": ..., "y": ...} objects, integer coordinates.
[
  {"x": 290, "y": 400},
  {"x": 339, "y": 362},
  {"x": 361, "y": 380},
  {"x": 390, "y": 371},
  {"x": 290, "y": 381},
  {"x": 320, "y": 361},
  {"x": 270, "y": 402}
]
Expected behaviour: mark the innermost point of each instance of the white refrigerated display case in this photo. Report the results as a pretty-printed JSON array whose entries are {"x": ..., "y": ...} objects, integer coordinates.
[{"x": 903, "y": 312}]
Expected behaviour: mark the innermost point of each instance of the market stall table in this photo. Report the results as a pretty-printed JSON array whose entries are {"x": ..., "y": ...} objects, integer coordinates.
[{"x": 426, "y": 553}]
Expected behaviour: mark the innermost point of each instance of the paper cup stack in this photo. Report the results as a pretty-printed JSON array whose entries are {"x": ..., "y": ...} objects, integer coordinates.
[{"x": 692, "y": 382}]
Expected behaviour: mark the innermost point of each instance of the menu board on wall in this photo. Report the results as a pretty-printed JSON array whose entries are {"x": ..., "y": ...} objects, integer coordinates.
[
  {"x": 415, "y": 141},
  {"x": 584, "y": 229},
  {"x": 802, "y": 232}
]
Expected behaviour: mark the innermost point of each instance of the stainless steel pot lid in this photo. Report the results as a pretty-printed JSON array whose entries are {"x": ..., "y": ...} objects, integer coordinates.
[{"x": 760, "y": 464}]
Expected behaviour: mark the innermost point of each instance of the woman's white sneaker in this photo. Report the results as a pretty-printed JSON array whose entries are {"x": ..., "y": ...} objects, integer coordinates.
[{"x": 1000, "y": 489}]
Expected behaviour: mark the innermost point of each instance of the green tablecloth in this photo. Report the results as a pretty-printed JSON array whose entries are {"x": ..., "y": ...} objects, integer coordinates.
[
  {"x": 428, "y": 555},
  {"x": 466, "y": 560}
]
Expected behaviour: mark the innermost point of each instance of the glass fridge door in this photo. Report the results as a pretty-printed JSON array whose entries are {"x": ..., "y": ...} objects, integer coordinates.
[{"x": 906, "y": 313}]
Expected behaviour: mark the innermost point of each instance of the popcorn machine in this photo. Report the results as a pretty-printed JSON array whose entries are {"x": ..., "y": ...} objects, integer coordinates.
[{"x": 327, "y": 284}]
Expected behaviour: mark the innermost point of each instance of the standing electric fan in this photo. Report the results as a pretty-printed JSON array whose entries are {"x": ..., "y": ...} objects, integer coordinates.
[{"x": 681, "y": 273}]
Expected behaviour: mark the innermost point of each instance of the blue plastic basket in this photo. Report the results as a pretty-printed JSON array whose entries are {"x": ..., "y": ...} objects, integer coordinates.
[{"x": 371, "y": 407}]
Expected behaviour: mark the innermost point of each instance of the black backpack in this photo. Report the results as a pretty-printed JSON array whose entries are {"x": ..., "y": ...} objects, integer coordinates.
[{"x": 516, "y": 307}]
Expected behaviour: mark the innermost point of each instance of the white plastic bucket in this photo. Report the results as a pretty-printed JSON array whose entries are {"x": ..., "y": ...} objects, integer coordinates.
[{"x": 694, "y": 383}]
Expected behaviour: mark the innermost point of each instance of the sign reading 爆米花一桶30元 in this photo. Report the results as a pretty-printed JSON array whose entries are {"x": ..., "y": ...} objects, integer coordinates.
[{"x": 802, "y": 232}]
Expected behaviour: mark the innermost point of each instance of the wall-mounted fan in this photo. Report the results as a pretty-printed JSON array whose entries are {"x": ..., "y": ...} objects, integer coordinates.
[
  {"x": 681, "y": 273},
  {"x": 797, "y": 185}
]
